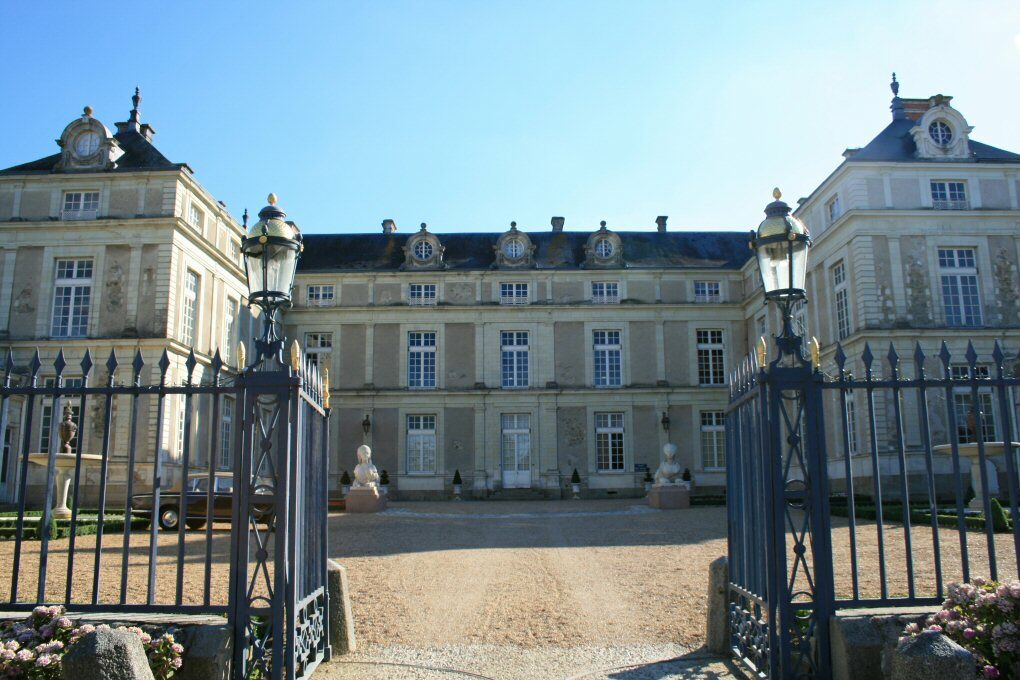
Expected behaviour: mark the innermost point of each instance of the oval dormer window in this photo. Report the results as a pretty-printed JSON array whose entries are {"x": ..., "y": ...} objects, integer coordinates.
[
  {"x": 513, "y": 248},
  {"x": 940, "y": 133},
  {"x": 423, "y": 250},
  {"x": 604, "y": 248}
]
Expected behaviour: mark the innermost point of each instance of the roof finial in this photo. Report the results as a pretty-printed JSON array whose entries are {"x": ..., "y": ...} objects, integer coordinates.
[
  {"x": 135, "y": 115},
  {"x": 244, "y": 219},
  {"x": 87, "y": 111},
  {"x": 777, "y": 194},
  {"x": 272, "y": 199},
  {"x": 894, "y": 86},
  {"x": 898, "y": 112}
]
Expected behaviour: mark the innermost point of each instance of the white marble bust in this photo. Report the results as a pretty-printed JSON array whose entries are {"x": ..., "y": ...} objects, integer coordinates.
[
  {"x": 668, "y": 473},
  {"x": 365, "y": 473}
]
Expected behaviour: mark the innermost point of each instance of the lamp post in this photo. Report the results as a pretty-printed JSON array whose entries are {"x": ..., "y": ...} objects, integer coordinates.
[
  {"x": 271, "y": 251},
  {"x": 781, "y": 244}
]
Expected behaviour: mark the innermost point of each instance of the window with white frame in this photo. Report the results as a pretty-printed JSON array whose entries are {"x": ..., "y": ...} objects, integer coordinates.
[
  {"x": 960, "y": 298},
  {"x": 513, "y": 293},
  {"x": 318, "y": 348},
  {"x": 421, "y": 444},
  {"x": 421, "y": 294},
  {"x": 605, "y": 292},
  {"x": 841, "y": 297},
  {"x": 711, "y": 360},
  {"x": 230, "y": 321},
  {"x": 851, "y": 425},
  {"x": 46, "y": 418},
  {"x": 189, "y": 308},
  {"x": 72, "y": 298},
  {"x": 514, "y": 358},
  {"x": 707, "y": 291},
  {"x": 609, "y": 442},
  {"x": 181, "y": 430},
  {"x": 421, "y": 360},
  {"x": 321, "y": 295},
  {"x": 196, "y": 217},
  {"x": 607, "y": 370},
  {"x": 713, "y": 440},
  {"x": 968, "y": 414},
  {"x": 235, "y": 251},
  {"x": 949, "y": 195},
  {"x": 226, "y": 433},
  {"x": 80, "y": 205},
  {"x": 833, "y": 209}
]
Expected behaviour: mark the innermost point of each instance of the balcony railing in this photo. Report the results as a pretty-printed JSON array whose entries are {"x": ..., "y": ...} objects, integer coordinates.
[
  {"x": 75, "y": 215},
  {"x": 605, "y": 299},
  {"x": 419, "y": 301},
  {"x": 951, "y": 205},
  {"x": 513, "y": 299},
  {"x": 704, "y": 299}
]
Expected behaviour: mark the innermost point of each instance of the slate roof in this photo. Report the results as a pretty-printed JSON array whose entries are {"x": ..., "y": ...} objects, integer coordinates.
[
  {"x": 895, "y": 144},
  {"x": 139, "y": 154},
  {"x": 553, "y": 250}
]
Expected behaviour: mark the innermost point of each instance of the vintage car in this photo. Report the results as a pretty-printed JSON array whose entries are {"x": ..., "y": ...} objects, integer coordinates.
[{"x": 197, "y": 496}]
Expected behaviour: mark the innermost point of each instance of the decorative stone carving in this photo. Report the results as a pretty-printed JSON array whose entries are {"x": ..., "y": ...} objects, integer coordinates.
[
  {"x": 918, "y": 293},
  {"x": 603, "y": 249},
  {"x": 941, "y": 113},
  {"x": 67, "y": 430},
  {"x": 423, "y": 251},
  {"x": 365, "y": 473},
  {"x": 86, "y": 144},
  {"x": 1004, "y": 275},
  {"x": 668, "y": 473},
  {"x": 513, "y": 249}
]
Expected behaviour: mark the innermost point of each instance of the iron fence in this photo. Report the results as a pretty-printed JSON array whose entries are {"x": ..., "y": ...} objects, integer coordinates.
[{"x": 850, "y": 491}]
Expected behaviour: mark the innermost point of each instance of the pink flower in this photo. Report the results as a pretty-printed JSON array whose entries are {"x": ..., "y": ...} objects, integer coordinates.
[
  {"x": 44, "y": 660},
  {"x": 936, "y": 628},
  {"x": 7, "y": 654},
  {"x": 991, "y": 672},
  {"x": 177, "y": 648},
  {"x": 145, "y": 638},
  {"x": 943, "y": 615},
  {"x": 177, "y": 663},
  {"x": 970, "y": 633},
  {"x": 913, "y": 628},
  {"x": 63, "y": 622},
  {"x": 12, "y": 644},
  {"x": 25, "y": 655}
]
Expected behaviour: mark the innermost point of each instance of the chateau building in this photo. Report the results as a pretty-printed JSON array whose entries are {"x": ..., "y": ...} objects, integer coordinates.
[{"x": 513, "y": 355}]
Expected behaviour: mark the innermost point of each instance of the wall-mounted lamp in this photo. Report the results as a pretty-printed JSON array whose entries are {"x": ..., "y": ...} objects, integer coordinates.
[
  {"x": 366, "y": 424},
  {"x": 665, "y": 421}
]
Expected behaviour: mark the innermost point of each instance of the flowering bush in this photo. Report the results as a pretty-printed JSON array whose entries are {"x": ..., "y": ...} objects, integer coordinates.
[
  {"x": 984, "y": 618},
  {"x": 34, "y": 648}
]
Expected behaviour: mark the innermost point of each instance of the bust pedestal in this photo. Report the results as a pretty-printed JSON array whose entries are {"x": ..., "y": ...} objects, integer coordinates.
[
  {"x": 365, "y": 499},
  {"x": 669, "y": 497}
]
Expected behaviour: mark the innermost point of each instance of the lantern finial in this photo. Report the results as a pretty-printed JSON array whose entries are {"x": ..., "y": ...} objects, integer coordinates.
[
  {"x": 272, "y": 199},
  {"x": 777, "y": 194}
]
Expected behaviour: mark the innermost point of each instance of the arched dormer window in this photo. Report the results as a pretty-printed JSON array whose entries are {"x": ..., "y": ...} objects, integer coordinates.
[
  {"x": 86, "y": 144},
  {"x": 513, "y": 249},
  {"x": 603, "y": 249},
  {"x": 423, "y": 251},
  {"x": 942, "y": 132}
]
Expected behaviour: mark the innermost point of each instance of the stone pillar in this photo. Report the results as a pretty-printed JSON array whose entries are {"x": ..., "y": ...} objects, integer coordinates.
[
  {"x": 341, "y": 618},
  {"x": 718, "y": 632}
]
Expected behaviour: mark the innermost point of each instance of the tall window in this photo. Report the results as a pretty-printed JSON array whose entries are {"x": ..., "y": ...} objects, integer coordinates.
[
  {"x": 513, "y": 293},
  {"x": 421, "y": 444},
  {"x": 605, "y": 292},
  {"x": 235, "y": 251},
  {"x": 946, "y": 195},
  {"x": 841, "y": 297},
  {"x": 971, "y": 421},
  {"x": 189, "y": 313},
  {"x": 230, "y": 321},
  {"x": 80, "y": 205},
  {"x": 851, "y": 425},
  {"x": 181, "y": 430},
  {"x": 606, "y": 364},
  {"x": 421, "y": 359},
  {"x": 196, "y": 218},
  {"x": 422, "y": 293},
  {"x": 226, "y": 433},
  {"x": 72, "y": 297},
  {"x": 321, "y": 295},
  {"x": 46, "y": 419},
  {"x": 318, "y": 348},
  {"x": 514, "y": 351},
  {"x": 833, "y": 209},
  {"x": 960, "y": 299},
  {"x": 710, "y": 357},
  {"x": 707, "y": 291},
  {"x": 609, "y": 442},
  {"x": 713, "y": 440},
  {"x": 516, "y": 441}
]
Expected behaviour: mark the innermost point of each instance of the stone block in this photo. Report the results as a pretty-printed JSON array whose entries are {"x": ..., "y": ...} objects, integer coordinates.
[
  {"x": 669, "y": 497},
  {"x": 862, "y": 639},
  {"x": 207, "y": 652},
  {"x": 341, "y": 617},
  {"x": 931, "y": 656},
  {"x": 106, "y": 654},
  {"x": 365, "y": 499},
  {"x": 718, "y": 629}
]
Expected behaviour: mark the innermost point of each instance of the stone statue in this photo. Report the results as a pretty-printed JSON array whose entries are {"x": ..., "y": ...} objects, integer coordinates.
[
  {"x": 67, "y": 430},
  {"x": 668, "y": 473},
  {"x": 365, "y": 473}
]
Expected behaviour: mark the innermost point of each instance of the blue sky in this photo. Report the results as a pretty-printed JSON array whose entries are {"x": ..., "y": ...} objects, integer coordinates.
[{"x": 470, "y": 114}]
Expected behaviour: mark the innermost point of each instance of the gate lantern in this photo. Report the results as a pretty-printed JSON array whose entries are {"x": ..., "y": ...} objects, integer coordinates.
[
  {"x": 782, "y": 243},
  {"x": 271, "y": 251}
]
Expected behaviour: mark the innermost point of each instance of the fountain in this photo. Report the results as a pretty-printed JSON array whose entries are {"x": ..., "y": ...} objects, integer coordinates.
[
  {"x": 971, "y": 451},
  {"x": 66, "y": 460}
]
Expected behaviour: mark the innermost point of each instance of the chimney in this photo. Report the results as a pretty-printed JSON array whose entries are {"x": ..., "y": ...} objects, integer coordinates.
[
  {"x": 660, "y": 221},
  {"x": 557, "y": 223},
  {"x": 389, "y": 227}
]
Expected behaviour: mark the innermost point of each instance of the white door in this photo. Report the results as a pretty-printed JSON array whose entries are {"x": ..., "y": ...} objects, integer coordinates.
[{"x": 516, "y": 450}]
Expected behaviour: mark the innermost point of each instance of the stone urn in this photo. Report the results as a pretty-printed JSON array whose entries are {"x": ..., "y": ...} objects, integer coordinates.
[{"x": 971, "y": 451}]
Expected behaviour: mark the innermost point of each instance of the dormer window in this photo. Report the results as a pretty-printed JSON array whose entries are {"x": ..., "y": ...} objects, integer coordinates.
[
  {"x": 604, "y": 248},
  {"x": 940, "y": 133},
  {"x": 513, "y": 248},
  {"x": 80, "y": 205},
  {"x": 423, "y": 250}
]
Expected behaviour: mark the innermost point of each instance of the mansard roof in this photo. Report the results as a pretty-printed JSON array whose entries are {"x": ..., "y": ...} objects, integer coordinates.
[
  {"x": 553, "y": 250},
  {"x": 895, "y": 144},
  {"x": 139, "y": 154}
]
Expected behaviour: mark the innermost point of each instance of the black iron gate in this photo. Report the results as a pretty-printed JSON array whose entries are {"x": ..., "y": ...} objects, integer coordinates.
[{"x": 793, "y": 432}]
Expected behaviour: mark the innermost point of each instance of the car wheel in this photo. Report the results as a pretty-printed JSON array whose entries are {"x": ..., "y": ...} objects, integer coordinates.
[
  {"x": 169, "y": 517},
  {"x": 195, "y": 523}
]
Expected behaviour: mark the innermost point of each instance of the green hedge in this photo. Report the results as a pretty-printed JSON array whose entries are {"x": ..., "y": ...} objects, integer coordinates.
[
  {"x": 61, "y": 528},
  {"x": 921, "y": 515}
]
